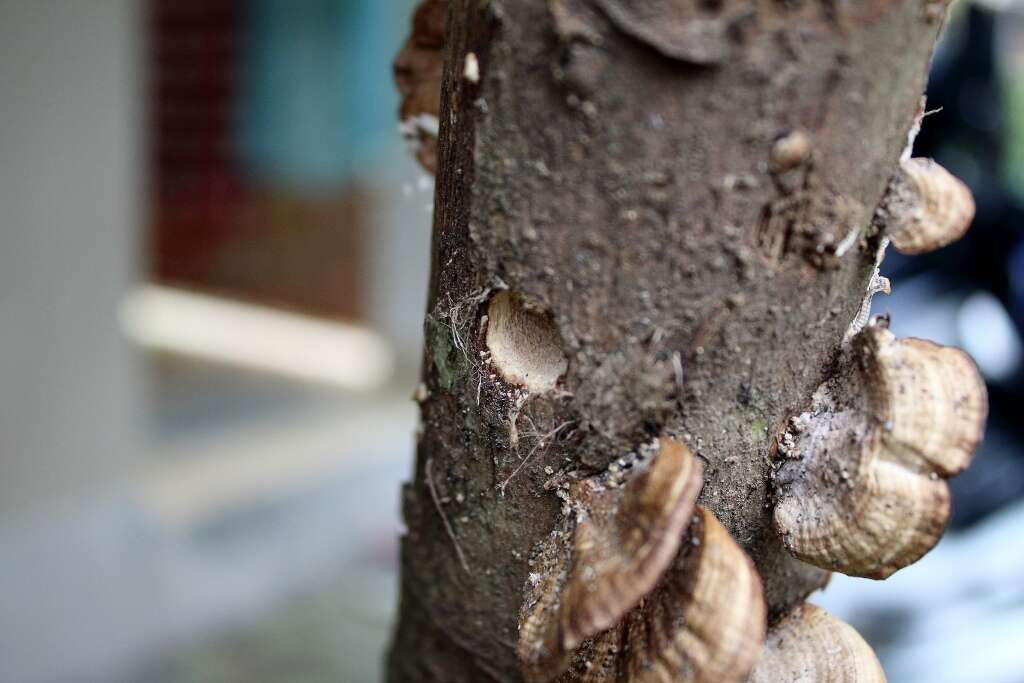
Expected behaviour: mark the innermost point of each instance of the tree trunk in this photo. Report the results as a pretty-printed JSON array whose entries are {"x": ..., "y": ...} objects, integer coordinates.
[{"x": 644, "y": 227}]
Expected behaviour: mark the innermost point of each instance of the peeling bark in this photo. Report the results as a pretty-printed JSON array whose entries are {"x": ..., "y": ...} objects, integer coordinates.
[{"x": 633, "y": 182}]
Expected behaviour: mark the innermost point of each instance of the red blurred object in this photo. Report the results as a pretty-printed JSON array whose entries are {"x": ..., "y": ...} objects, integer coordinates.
[{"x": 212, "y": 228}]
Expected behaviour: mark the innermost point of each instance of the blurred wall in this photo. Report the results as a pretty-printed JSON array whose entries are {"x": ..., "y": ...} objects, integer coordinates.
[{"x": 69, "y": 180}]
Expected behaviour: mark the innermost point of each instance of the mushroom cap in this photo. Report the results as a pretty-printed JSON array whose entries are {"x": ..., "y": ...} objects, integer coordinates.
[
  {"x": 703, "y": 623},
  {"x": 809, "y": 645},
  {"x": 929, "y": 208},
  {"x": 625, "y": 538},
  {"x": 865, "y": 494},
  {"x": 881, "y": 519},
  {"x": 929, "y": 399}
]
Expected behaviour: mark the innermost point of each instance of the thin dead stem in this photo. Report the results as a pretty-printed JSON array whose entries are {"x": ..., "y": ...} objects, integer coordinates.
[
  {"x": 444, "y": 517},
  {"x": 455, "y": 313}
]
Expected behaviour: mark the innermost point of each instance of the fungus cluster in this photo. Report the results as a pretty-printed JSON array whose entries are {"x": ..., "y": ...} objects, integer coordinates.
[
  {"x": 862, "y": 487},
  {"x": 628, "y": 592},
  {"x": 642, "y": 584}
]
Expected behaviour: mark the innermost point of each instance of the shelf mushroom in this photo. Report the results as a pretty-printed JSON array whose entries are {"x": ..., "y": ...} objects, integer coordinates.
[
  {"x": 809, "y": 645},
  {"x": 640, "y": 565},
  {"x": 861, "y": 489}
]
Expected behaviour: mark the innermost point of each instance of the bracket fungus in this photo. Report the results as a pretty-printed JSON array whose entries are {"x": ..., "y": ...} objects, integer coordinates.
[
  {"x": 861, "y": 488},
  {"x": 644, "y": 586},
  {"x": 928, "y": 207},
  {"x": 703, "y": 623},
  {"x": 418, "y": 71},
  {"x": 809, "y": 645}
]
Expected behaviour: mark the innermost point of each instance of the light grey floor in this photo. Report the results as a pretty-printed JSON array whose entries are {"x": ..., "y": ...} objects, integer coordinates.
[{"x": 242, "y": 551}]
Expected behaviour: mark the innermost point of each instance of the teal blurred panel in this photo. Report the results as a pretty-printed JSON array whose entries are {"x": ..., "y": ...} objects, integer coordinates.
[{"x": 316, "y": 103}]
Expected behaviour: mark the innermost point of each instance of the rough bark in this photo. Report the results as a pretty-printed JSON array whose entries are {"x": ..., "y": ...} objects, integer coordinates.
[{"x": 625, "y": 187}]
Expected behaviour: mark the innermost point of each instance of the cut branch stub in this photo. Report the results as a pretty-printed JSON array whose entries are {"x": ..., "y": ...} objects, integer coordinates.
[
  {"x": 523, "y": 339},
  {"x": 703, "y": 623},
  {"x": 809, "y": 645},
  {"x": 928, "y": 207},
  {"x": 861, "y": 490},
  {"x": 418, "y": 71},
  {"x": 625, "y": 535}
]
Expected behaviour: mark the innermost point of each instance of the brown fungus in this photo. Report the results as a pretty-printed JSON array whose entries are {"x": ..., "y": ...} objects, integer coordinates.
[
  {"x": 861, "y": 489},
  {"x": 928, "y": 207},
  {"x": 809, "y": 645},
  {"x": 418, "y": 71},
  {"x": 623, "y": 536},
  {"x": 625, "y": 591},
  {"x": 703, "y": 623}
]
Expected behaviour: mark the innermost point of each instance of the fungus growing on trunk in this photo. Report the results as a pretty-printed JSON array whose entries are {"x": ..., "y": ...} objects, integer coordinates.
[
  {"x": 649, "y": 587},
  {"x": 624, "y": 534},
  {"x": 861, "y": 490},
  {"x": 809, "y": 645},
  {"x": 928, "y": 207},
  {"x": 703, "y": 623}
]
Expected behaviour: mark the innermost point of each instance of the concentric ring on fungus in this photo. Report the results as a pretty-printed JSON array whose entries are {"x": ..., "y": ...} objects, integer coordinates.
[
  {"x": 862, "y": 488},
  {"x": 642, "y": 585}
]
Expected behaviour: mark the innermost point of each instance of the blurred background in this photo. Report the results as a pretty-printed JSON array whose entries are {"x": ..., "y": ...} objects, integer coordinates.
[{"x": 213, "y": 264}]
